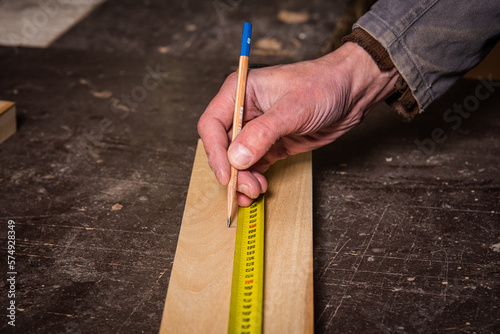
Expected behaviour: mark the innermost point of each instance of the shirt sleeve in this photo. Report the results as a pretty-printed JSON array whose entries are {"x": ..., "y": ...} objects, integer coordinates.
[{"x": 432, "y": 43}]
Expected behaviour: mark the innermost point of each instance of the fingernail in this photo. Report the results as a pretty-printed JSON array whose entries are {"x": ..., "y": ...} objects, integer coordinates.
[{"x": 239, "y": 155}]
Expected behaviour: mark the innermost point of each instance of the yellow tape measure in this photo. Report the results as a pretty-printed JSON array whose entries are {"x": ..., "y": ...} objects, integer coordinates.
[{"x": 245, "y": 315}]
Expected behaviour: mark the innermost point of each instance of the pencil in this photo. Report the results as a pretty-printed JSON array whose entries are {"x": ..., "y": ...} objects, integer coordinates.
[{"x": 232, "y": 204}]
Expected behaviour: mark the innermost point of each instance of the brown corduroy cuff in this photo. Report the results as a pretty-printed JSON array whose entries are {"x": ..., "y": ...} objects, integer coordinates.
[{"x": 402, "y": 100}]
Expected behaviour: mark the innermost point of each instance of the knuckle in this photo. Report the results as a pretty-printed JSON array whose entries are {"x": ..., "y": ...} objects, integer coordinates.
[
  {"x": 264, "y": 132},
  {"x": 231, "y": 78},
  {"x": 201, "y": 125}
]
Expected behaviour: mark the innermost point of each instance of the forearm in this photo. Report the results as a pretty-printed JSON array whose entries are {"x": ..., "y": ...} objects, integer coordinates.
[{"x": 433, "y": 43}]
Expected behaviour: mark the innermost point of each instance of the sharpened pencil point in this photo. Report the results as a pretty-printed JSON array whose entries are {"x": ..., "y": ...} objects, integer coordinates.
[{"x": 229, "y": 222}]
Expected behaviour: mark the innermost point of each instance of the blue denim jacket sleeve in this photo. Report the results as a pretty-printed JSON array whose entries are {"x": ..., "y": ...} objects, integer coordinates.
[{"x": 433, "y": 43}]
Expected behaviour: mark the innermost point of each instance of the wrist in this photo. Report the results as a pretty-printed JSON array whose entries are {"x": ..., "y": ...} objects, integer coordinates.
[{"x": 368, "y": 84}]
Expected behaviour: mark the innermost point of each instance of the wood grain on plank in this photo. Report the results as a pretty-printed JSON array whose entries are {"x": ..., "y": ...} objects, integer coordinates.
[
  {"x": 7, "y": 120},
  {"x": 288, "y": 273},
  {"x": 200, "y": 283}
]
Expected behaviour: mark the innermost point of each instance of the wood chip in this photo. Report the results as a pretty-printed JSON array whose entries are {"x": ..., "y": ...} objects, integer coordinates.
[
  {"x": 268, "y": 44},
  {"x": 105, "y": 94},
  {"x": 289, "y": 17}
]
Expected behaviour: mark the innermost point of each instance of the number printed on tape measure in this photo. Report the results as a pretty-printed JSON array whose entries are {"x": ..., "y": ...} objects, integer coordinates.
[{"x": 248, "y": 271}]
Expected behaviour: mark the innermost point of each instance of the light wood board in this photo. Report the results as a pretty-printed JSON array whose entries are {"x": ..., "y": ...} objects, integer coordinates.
[
  {"x": 35, "y": 23},
  {"x": 200, "y": 283},
  {"x": 7, "y": 120}
]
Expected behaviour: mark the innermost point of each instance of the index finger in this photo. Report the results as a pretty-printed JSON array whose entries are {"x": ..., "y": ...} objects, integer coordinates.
[{"x": 213, "y": 127}]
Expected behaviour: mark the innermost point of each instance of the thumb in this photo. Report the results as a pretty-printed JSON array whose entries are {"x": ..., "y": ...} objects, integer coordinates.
[{"x": 257, "y": 137}]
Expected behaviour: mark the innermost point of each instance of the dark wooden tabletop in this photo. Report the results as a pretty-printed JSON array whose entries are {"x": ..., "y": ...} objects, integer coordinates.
[{"x": 406, "y": 223}]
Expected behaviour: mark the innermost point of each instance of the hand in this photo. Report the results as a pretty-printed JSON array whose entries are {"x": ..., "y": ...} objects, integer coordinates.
[{"x": 290, "y": 109}]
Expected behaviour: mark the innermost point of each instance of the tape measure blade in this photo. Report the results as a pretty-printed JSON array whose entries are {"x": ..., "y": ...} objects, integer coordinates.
[{"x": 245, "y": 314}]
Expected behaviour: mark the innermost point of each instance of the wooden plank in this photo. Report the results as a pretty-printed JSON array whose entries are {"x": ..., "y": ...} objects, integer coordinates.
[
  {"x": 288, "y": 273},
  {"x": 39, "y": 23},
  {"x": 200, "y": 283},
  {"x": 7, "y": 120},
  {"x": 199, "y": 287}
]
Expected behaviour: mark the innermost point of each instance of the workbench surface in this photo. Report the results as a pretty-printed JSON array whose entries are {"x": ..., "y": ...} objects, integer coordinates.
[{"x": 405, "y": 239}]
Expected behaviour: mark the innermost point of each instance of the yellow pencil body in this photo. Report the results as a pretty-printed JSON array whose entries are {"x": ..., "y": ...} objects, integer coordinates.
[
  {"x": 232, "y": 209},
  {"x": 232, "y": 204}
]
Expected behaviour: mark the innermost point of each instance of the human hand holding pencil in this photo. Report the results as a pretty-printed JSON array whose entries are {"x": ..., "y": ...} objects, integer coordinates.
[{"x": 290, "y": 109}]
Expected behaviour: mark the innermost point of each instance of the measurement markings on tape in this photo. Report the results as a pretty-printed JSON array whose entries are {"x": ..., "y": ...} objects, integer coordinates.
[{"x": 245, "y": 315}]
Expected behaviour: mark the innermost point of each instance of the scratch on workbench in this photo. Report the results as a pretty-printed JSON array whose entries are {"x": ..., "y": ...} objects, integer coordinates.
[
  {"x": 69, "y": 315},
  {"x": 67, "y": 244},
  {"x": 408, "y": 256},
  {"x": 445, "y": 282},
  {"x": 121, "y": 265},
  {"x": 344, "y": 295},
  {"x": 331, "y": 261},
  {"x": 145, "y": 296},
  {"x": 147, "y": 253},
  {"x": 114, "y": 230},
  {"x": 452, "y": 209}
]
